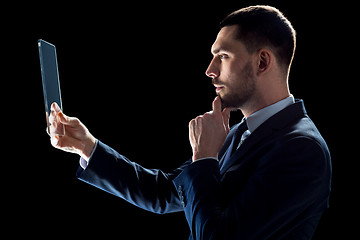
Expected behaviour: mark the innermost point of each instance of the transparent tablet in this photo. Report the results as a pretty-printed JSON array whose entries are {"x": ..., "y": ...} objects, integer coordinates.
[{"x": 50, "y": 77}]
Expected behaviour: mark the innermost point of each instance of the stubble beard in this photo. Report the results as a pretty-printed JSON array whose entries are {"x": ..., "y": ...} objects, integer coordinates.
[{"x": 239, "y": 97}]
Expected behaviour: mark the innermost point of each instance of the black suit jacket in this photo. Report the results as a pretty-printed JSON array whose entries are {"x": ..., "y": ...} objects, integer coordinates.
[{"x": 275, "y": 186}]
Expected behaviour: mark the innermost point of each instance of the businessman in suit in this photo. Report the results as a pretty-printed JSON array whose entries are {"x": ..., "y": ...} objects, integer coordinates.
[{"x": 267, "y": 177}]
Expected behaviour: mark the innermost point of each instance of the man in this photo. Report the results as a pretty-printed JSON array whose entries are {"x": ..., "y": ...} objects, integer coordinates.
[{"x": 267, "y": 177}]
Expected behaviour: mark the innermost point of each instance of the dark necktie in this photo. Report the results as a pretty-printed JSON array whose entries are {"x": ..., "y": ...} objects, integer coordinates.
[
  {"x": 234, "y": 142},
  {"x": 237, "y": 136}
]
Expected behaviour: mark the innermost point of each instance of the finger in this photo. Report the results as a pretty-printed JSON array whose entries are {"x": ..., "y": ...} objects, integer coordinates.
[
  {"x": 226, "y": 117},
  {"x": 191, "y": 131},
  {"x": 72, "y": 121},
  {"x": 47, "y": 131},
  {"x": 195, "y": 125},
  {"x": 191, "y": 123},
  {"x": 55, "y": 107},
  {"x": 52, "y": 107},
  {"x": 54, "y": 110},
  {"x": 198, "y": 122},
  {"x": 54, "y": 140},
  {"x": 216, "y": 105},
  {"x": 53, "y": 128},
  {"x": 52, "y": 115}
]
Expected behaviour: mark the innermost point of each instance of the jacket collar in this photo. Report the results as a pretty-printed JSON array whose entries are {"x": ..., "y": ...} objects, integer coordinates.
[{"x": 275, "y": 123}]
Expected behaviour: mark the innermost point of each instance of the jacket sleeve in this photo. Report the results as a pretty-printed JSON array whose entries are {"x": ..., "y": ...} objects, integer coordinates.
[
  {"x": 288, "y": 184},
  {"x": 149, "y": 189}
]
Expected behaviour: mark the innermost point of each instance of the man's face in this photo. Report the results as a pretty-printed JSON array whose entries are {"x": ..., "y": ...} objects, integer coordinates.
[{"x": 231, "y": 69}]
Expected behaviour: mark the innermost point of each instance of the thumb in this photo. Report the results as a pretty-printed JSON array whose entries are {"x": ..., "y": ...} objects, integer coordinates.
[
  {"x": 66, "y": 143},
  {"x": 72, "y": 121},
  {"x": 226, "y": 117}
]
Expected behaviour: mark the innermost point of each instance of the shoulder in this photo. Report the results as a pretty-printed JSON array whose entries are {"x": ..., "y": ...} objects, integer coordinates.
[
  {"x": 300, "y": 148},
  {"x": 304, "y": 133}
]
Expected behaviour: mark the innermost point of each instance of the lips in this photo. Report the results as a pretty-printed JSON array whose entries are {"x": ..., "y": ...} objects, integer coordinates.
[{"x": 218, "y": 88}]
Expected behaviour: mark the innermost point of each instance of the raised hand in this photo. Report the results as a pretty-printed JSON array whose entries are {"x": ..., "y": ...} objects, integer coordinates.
[
  {"x": 69, "y": 134},
  {"x": 207, "y": 133}
]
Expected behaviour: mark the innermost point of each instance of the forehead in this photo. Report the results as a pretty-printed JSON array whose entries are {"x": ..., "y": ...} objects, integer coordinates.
[{"x": 226, "y": 40}]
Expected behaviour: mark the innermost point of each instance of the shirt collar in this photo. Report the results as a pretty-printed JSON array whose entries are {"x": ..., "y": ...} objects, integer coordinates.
[{"x": 259, "y": 117}]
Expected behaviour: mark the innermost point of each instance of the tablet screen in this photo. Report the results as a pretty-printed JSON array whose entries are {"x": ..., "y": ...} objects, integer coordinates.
[{"x": 50, "y": 75}]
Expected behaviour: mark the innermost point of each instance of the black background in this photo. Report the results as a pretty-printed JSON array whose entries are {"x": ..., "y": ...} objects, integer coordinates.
[{"x": 134, "y": 74}]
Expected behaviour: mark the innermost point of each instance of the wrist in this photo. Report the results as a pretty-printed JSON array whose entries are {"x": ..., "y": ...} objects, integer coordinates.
[
  {"x": 196, "y": 156},
  {"x": 89, "y": 146}
]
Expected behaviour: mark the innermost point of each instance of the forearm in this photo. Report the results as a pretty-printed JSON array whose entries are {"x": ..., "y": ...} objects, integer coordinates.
[
  {"x": 149, "y": 189},
  {"x": 199, "y": 188}
]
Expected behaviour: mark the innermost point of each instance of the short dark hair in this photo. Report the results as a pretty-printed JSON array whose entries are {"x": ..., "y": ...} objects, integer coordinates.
[{"x": 261, "y": 26}]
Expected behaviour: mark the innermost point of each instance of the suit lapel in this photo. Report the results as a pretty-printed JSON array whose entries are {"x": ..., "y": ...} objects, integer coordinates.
[
  {"x": 255, "y": 138},
  {"x": 279, "y": 121}
]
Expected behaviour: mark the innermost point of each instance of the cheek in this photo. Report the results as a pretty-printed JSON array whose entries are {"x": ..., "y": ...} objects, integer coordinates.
[{"x": 233, "y": 73}]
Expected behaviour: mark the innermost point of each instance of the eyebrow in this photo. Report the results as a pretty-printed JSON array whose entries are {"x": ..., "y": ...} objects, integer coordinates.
[{"x": 219, "y": 49}]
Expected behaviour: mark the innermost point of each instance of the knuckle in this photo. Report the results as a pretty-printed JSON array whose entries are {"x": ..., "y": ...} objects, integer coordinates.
[
  {"x": 76, "y": 121},
  {"x": 198, "y": 119},
  {"x": 209, "y": 114}
]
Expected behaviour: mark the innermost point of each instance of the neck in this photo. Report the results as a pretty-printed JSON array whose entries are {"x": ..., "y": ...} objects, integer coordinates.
[{"x": 260, "y": 101}]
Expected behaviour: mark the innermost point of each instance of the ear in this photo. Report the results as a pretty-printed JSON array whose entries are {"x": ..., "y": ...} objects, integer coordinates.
[{"x": 265, "y": 60}]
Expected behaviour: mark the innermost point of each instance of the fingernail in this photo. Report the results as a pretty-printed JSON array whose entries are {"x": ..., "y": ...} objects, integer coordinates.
[{"x": 57, "y": 109}]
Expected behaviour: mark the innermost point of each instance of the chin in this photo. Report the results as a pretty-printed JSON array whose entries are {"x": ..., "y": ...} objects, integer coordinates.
[
  {"x": 225, "y": 103},
  {"x": 228, "y": 101}
]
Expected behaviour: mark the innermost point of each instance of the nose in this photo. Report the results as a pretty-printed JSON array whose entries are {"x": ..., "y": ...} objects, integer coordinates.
[{"x": 212, "y": 71}]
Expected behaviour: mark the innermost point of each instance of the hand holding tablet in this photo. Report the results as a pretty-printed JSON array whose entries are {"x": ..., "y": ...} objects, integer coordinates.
[{"x": 67, "y": 133}]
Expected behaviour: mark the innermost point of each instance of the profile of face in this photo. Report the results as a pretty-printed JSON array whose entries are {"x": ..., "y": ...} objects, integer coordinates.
[{"x": 231, "y": 69}]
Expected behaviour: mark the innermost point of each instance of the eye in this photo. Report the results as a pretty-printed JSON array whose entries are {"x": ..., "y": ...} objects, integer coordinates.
[{"x": 223, "y": 56}]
